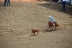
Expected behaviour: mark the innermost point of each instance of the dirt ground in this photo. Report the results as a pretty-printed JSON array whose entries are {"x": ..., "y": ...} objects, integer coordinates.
[{"x": 17, "y": 20}]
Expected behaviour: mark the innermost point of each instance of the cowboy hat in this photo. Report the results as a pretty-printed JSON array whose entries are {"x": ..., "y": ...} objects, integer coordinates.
[{"x": 50, "y": 16}]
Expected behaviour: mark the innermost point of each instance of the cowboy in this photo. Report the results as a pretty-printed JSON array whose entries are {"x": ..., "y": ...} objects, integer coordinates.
[
  {"x": 63, "y": 5},
  {"x": 52, "y": 20}
]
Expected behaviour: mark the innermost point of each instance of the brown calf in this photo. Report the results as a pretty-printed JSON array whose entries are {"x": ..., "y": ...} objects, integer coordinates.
[{"x": 35, "y": 30}]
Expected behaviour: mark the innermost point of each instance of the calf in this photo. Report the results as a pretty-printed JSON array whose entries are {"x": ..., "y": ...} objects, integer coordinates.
[{"x": 35, "y": 30}]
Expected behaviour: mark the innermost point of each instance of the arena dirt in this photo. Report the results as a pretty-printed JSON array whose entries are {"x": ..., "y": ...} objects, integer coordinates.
[{"x": 17, "y": 20}]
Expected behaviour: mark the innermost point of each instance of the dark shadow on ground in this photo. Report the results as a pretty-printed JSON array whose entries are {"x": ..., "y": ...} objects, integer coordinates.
[
  {"x": 57, "y": 6},
  {"x": 48, "y": 31},
  {"x": 1, "y": 5},
  {"x": 33, "y": 35}
]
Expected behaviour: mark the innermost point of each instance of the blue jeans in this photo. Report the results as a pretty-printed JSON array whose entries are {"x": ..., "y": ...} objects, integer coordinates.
[
  {"x": 6, "y": 2},
  {"x": 63, "y": 8}
]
